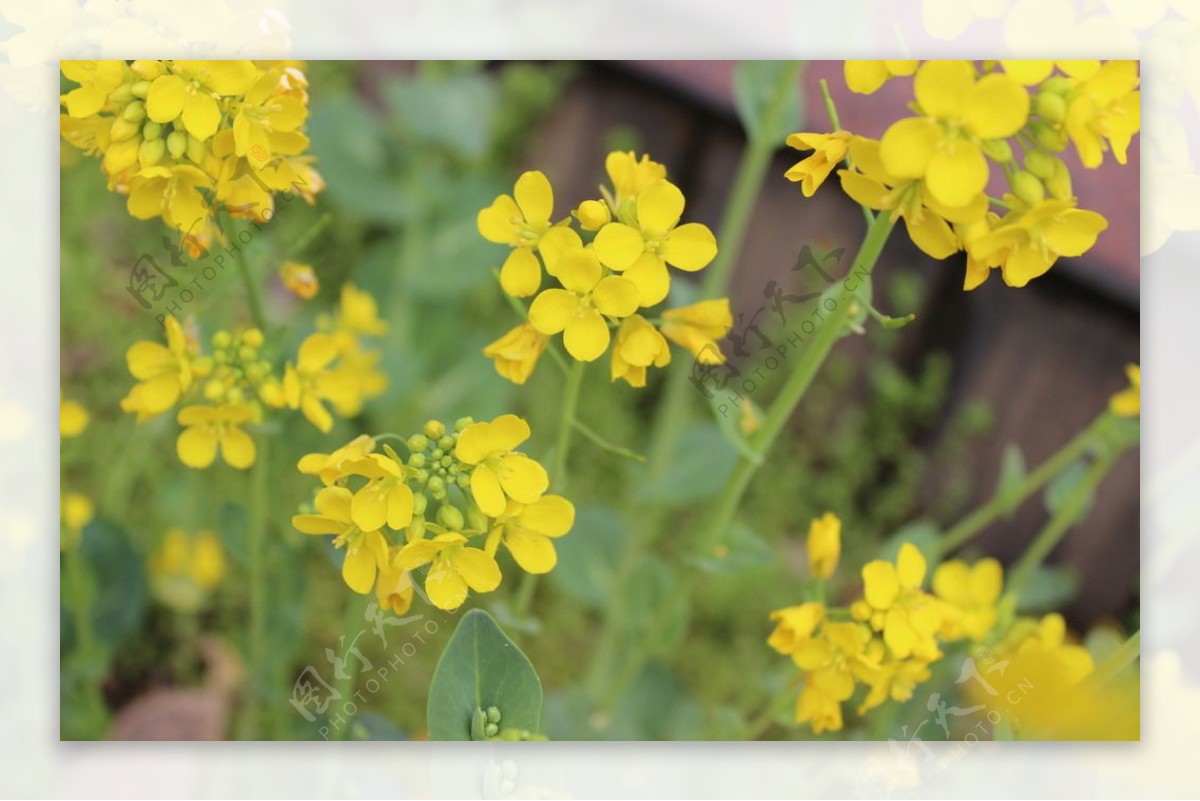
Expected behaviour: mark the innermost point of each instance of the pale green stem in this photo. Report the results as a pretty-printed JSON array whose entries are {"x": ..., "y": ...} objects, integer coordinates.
[
  {"x": 253, "y": 290},
  {"x": 352, "y": 618},
  {"x": 1118, "y": 660},
  {"x": 836, "y": 122},
  {"x": 257, "y": 579},
  {"x": 566, "y": 424}
]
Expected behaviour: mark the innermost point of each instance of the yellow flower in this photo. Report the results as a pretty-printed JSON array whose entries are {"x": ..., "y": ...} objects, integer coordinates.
[
  {"x": 332, "y": 467},
  {"x": 593, "y": 215},
  {"x": 895, "y": 680},
  {"x": 207, "y": 427},
  {"x": 960, "y": 112},
  {"x": 1128, "y": 402},
  {"x": 97, "y": 80},
  {"x": 638, "y": 346},
  {"x": 1028, "y": 72},
  {"x": 652, "y": 238},
  {"x": 896, "y": 605},
  {"x": 354, "y": 377},
  {"x": 184, "y": 569},
  {"x": 77, "y": 511},
  {"x": 794, "y": 626},
  {"x": 578, "y": 309},
  {"x": 830, "y": 661},
  {"x": 528, "y": 531},
  {"x": 358, "y": 312},
  {"x": 500, "y": 473},
  {"x": 699, "y": 327},
  {"x": 164, "y": 372},
  {"x": 1104, "y": 112},
  {"x": 190, "y": 93},
  {"x": 824, "y": 545},
  {"x": 366, "y": 551},
  {"x": 454, "y": 567},
  {"x": 865, "y": 77},
  {"x": 73, "y": 418},
  {"x": 630, "y": 175},
  {"x": 828, "y": 151},
  {"x": 267, "y": 109},
  {"x": 1029, "y": 240},
  {"x": 394, "y": 587},
  {"x": 970, "y": 594},
  {"x": 519, "y": 221},
  {"x": 172, "y": 193},
  {"x": 385, "y": 499},
  {"x": 300, "y": 279},
  {"x": 516, "y": 353},
  {"x": 310, "y": 382}
]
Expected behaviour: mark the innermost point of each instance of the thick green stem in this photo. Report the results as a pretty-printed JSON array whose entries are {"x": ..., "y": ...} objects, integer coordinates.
[
  {"x": 1003, "y": 503},
  {"x": 566, "y": 424},
  {"x": 257, "y": 579}
]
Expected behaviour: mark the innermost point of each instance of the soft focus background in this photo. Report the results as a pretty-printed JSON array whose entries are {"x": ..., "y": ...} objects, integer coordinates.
[{"x": 904, "y": 428}]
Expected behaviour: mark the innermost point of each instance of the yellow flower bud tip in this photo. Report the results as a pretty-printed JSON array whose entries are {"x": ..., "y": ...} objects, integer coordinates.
[
  {"x": 593, "y": 214},
  {"x": 435, "y": 429},
  {"x": 824, "y": 545},
  {"x": 253, "y": 338},
  {"x": 299, "y": 279}
]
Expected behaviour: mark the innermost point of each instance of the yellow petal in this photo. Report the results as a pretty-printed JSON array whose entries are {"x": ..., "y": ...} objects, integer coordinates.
[
  {"x": 507, "y": 432},
  {"x": 864, "y": 77},
  {"x": 616, "y": 296},
  {"x": 898, "y": 634},
  {"x": 554, "y": 243},
  {"x": 987, "y": 580},
  {"x": 500, "y": 222},
  {"x": 586, "y": 335},
  {"x": 951, "y": 582},
  {"x": 164, "y": 101},
  {"x": 941, "y": 87},
  {"x": 201, "y": 116},
  {"x": 910, "y": 566},
  {"x": 653, "y": 281},
  {"x": 1074, "y": 232},
  {"x": 316, "y": 524},
  {"x": 445, "y": 587},
  {"x": 880, "y": 583},
  {"x": 369, "y": 508},
  {"x": 690, "y": 247},
  {"x": 908, "y": 145},
  {"x": 957, "y": 173},
  {"x": 237, "y": 448},
  {"x": 534, "y": 197},
  {"x": 1028, "y": 71},
  {"x": 486, "y": 490},
  {"x": 521, "y": 274},
  {"x": 1025, "y": 264},
  {"x": 533, "y": 552},
  {"x": 316, "y": 352},
  {"x": 996, "y": 107},
  {"x": 579, "y": 270},
  {"x": 618, "y": 245},
  {"x": 479, "y": 571},
  {"x": 523, "y": 479},
  {"x": 197, "y": 446},
  {"x": 399, "y": 507},
  {"x": 552, "y": 310},
  {"x": 551, "y": 515},
  {"x": 225, "y": 77},
  {"x": 659, "y": 208},
  {"x": 863, "y": 190},
  {"x": 932, "y": 235},
  {"x": 335, "y": 503},
  {"x": 358, "y": 568}
]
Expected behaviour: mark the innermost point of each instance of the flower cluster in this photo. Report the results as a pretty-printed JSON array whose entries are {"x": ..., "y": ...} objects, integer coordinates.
[
  {"x": 185, "y": 568},
  {"x": 635, "y": 236},
  {"x": 180, "y": 138},
  {"x": 933, "y": 169},
  {"x": 233, "y": 385},
  {"x": 458, "y": 496}
]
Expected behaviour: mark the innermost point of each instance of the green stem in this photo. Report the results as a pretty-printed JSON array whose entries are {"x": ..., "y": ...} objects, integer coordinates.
[
  {"x": 566, "y": 424},
  {"x": 253, "y": 291},
  {"x": 352, "y": 618},
  {"x": 525, "y": 590},
  {"x": 1004, "y": 503},
  {"x": 607, "y": 446},
  {"x": 1068, "y": 514},
  {"x": 257, "y": 625},
  {"x": 1118, "y": 660},
  {"x": 766, "y": 718}
]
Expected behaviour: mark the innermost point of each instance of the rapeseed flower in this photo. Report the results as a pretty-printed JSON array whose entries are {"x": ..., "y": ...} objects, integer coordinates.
[
  {"x": 824, "y": 545},
  {"x": 639, "y": 345},
  {"x": 164, "y": 372},
  {"x": 499, "y": 473},
  {"x": 528, "y": 531},
  {"x": 184, "y": 569},
  {"x": 865, "y": 77},
  {"x": 578, "y": 309},
  {"x": 366, "y": 551},
  {"x": 699, "y": 327},
  {"x": 208, "y": 427},
  {"x": 77, "y": 510},
  {"x": 455, "y": 567},
  {"x": 895, "y": 605},
  {"x": 519, "y": 221},
  {"x": 828, "y": 151},
  {"x": 971, "y": 594},
  {"x": 516, "y": 353},
  {"x": 1030, "y": 239},
  {"x": 310, "y": 382},
  {"x": 299, "y": 279},
  {"x": 73, "y": 418},
  {"x": 333, "y": 467},
  {"x": 1103, "y": 112}
]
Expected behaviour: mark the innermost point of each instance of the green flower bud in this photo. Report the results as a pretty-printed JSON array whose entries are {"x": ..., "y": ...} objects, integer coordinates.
[
  {"x": 122, "y": 94},
  {"x": 493, "y": 714},
  {"x": 151, "y": 151},
  {"x": 122, "y": 130},
  {"x": 221, "y": 357},
  {"x": 416, "y": 529},
  {"x": 450, "y": 517},
  {"x": 177, "y": 142},
  {"x": 1059, "y": 184},
  {"x": 436, "y": 484},
  {"x": 1059, "y": 85},
  {"x": 998, "y": 150},
  {"x": 491, "y": 729},
  {"x": 140, "y": 89},
  {"x": 420, "y": 503},
  {"x": 1027, "y": 187},
  {"x": 434, "y": 429},
  {"x": 417, "y": 442},
  {"x": 135, "y": 111},
  {"x": 253, "y": 337},
  {"x": 1040, "y": 164},
  {"x": 463, "y": 480},
  {"x": 1051, "y": 138},
  {"x": 246, "y": 353},
  {"x": 476, "y": 519},
  {"x": 462, "y": 423},
  {"x": 213, "y": 390},
  {"x": 221, "y": 340},
  {"x": 416, "y": 460},
  {"x": 236, "y": 395},
  {"x": 1050, "y": 106},
  {"x": 447, "y": 461},
  {"x": 152, "y": 130},
  {"x": 436, "y": 453}
]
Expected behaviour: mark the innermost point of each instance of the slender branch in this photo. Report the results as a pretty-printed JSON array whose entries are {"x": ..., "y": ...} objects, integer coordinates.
[{"x": 605, "y": 445}]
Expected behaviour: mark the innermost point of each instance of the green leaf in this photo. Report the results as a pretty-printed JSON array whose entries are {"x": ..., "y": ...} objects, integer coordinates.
[
  {"x": 1047, "y": 588},
  {"x": 742, "y": 550},
  {"x": 1064, "y": 486},
  {"x": 482, "y": 668},
  {"x": 767, "y": 97},
  {"x": 455, "y": 112},
  {"x": 1012, "y": 473},
  {"x": 694, "y": 478},
  {"x": 118, "y": 595},
  {"x": 588, "y": 557}
]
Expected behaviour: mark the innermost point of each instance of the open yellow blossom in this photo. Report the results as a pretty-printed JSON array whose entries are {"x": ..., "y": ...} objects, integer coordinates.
[
  {"x": 630, "y": 175},
  {"x": 454, "y": 568},
  {"x": 699, "y": 328},
  {"x": 895, "y": 605},
  {"x": 639, "y": 345},
  {"x": 865, "y": 77},
  {"x": 824, "y": 545},
  {"x": 164, "y": 372},
  {"x": 265, "y": 110},
  {"x": 971, "y": 593},
  {"x": 310, "y": 382},
  {"x": 97, "y": 80},
  {"x": 394, "y": 586},
  {"x": 1104, "y": 112},
  {"x": 830, "y": 662},
  {"x": 332, "y": 467},
  {"x": 500, "y": 473},
  {"x": 519, "y": 220},
  {"x": 960, "y": 112},
  {"x": 1128, "y": 402},
  {"x": 828, "y": 151},
  {"x": 190, "y": 93},
  {"x": 894, "y": 680},
  {"x": 1029, "y": 240},
  {"x": 794, "y": 626},
  {"x": 366, "y": 551},
  {"x": 578, "y": 309},
  {"x": 173, "y": 193},
  {"x": 208, "y": 427},
  {"x": 73, "y": 418},
  {"x": 516, "y": 353},
  {"x": 358, "y": 312},
  {"x": 77, "y": 511},
  {"x": 643, "y": 247},
  {"x": 385, "y": 499},
  {"x": 299, "y": 279},
  {"x": 528, "y": 531}
]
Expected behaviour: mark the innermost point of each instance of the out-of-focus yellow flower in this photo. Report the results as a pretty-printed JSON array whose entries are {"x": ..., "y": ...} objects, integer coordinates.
[
  {"x": 824, "y": 545},
  {"x": 971, "y": 593},
  {"x": 516, "y": 353},
  {"x": 366, "y": 551},
  {"x": 77, "y": 511},
  {"x": 643, "y": 244},
  {"x": 699, "y": 327},
  {"x": 454, "y": 567},
  {"x": 184, "y": 569},
  {"x": 500, "y": 473},
  {"x": 895, "y": 605},
  {"x": 1104, "y": 112},
  {"x": 208, "y": 427},
  {"x": 794, "y": 626},
  {"x": 299, "y": 279},
  {"x": 528, "y": 531},
  {"x": 1029, "y": 240},
  {"x": 578, "y": 309},
  {"x": 828, "y": 151},
  {"x": 519, "y": 221},
  {"x": 960, "y": 113},
  {"x": 164, "y": 373},
  {"x": 639, "y": 345},
  {"x": 309, "y": 382},
  {"x": 332, "y": 467},
  {"x": 830, "y": 663},
  {"x": 894, "y": 680},
  {"x": 1128, "y": 402},
  {"x": 866, "y": 77},
  {"x": 358, "y": 312},
  {"x": 73, "y": 418}
]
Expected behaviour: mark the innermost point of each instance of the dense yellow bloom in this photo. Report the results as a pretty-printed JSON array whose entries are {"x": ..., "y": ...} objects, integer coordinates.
[
  {"x": 191, "y": 90},
  {"x": 866, "y": 77},
  {"x": 699, "y": 327},
  {"x": 97, "y": 81},
  {"x": 831, "y": 663},
  {"x": 184, "y": 569},
  {"x": 794, "y": 626},
  {"x": 77, "y": 511},
  {"x": 366, "y": 551},
  {"x": 1029, "y": 240},
  {"x": 578, "y": 309},
  {"x": 73, "y": 418},
  {"x": 299, "y": 279},
  {"x": 895, "y": 605},
  {"x": 164, "y": 373},
  {"x": 971, "y": 594},
  {"x": 516, "y": 353},
  {"x": 519, "y": 220},
  {"x": 528, "y": 531},
  {"x": 208, "y": 427},
  {"x": 960, "y": 112},
  {"x": 828, "y": 151},
  {"x": 500, "y": 473},
  {"x": 824, "y": 545},
  {"x": 652, "y": 238},
  {"x": 1104, "y": 112},
  {"x": 1128, "y": 402},
  {"x": 454, "y": 567},
  {"x": 332, "y": 467},
  {"x": 639, "y": 345}
]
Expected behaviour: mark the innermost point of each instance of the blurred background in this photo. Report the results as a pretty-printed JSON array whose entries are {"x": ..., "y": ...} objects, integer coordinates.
[{"x": 904, "y": 428}]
